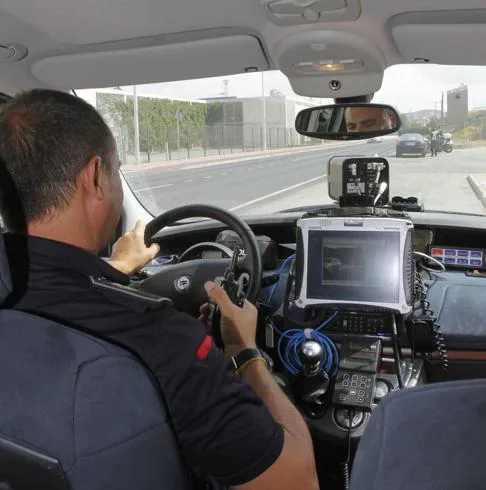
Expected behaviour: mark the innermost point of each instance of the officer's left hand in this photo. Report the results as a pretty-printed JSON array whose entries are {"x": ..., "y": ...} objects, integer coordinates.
[{"x": 130, "y": 253}]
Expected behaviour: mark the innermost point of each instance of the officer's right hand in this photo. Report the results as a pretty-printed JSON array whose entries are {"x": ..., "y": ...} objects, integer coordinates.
[{"x": 238, "y": 325}]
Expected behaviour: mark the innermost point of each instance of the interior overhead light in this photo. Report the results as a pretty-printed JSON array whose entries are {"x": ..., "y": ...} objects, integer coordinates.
[{"x": 329, "y": 66}]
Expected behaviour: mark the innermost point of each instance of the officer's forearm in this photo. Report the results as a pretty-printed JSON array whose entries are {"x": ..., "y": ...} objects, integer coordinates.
[{"x": 284, "y": 412}]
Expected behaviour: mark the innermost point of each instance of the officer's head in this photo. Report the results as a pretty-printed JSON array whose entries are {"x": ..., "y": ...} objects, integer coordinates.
[
  {"x": 368, "y": 118},
  {"x": 60, "y": 159}
]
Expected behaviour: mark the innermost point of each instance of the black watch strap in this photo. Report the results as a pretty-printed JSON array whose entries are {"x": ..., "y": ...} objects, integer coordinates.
[{"x": 246, "y": 357}]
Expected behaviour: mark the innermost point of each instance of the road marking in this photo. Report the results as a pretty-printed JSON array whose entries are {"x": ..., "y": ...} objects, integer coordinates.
[
  {"x": 260, "y": 166},
  {"x": 187, "y": 181},
  {"x": 155, "y": 187},
  {"x": 281, "y": 191},
  {"x": 224, "y": 173},
  {"x": 207, "y": 177}
]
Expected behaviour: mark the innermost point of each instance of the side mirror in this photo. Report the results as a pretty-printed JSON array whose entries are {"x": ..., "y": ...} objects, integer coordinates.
[{"x": 347, "y": 121}]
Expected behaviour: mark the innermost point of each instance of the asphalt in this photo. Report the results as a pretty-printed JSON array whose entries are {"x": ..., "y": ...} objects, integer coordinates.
[
  {"x": 275, "y": 182},
  {"x": 231, "y": 185}
]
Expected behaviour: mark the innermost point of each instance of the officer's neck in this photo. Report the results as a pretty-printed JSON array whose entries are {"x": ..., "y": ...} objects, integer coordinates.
[{"x": 67, "y": 227}]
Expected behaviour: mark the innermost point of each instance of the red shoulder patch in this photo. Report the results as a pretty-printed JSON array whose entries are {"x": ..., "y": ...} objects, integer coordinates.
[{"x": 205, "y": 348}]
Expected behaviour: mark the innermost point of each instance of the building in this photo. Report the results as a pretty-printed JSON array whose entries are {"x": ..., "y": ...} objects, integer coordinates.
[
  {"x": 230, "y": 124},
  {"x": 240, "y": 122},
  {"x": 457, "y": 106}
]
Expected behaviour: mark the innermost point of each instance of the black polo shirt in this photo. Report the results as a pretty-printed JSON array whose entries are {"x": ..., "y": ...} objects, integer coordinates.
[{"x": 222, "y": 426}]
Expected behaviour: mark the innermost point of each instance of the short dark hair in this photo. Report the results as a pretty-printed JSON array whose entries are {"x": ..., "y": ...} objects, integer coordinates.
[{"x": 46, "y": 139}]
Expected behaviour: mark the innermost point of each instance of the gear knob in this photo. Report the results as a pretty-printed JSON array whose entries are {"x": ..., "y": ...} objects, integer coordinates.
[{"x": 311, "y": 355}]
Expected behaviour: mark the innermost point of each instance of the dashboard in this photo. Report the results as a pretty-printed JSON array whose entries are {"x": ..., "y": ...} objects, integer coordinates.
[
  {"x": 463, "y": 325},
  {"x": 365, "y": 368}
]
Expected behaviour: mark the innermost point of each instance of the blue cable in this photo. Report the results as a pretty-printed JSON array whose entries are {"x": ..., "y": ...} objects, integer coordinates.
[
  {"x": 289, "y": 356},
  {"x": 282, "y": 267}
]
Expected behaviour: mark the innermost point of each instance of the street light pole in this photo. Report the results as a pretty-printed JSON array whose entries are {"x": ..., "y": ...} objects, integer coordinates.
[
  {"x": 135, "y": 125},
  {"x": 178, "y": 117},
  {"x": 264, "y": 115},
  {"x": 442, "y": 111}
]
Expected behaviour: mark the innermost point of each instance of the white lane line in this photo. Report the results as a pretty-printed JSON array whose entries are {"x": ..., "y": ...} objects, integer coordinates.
[
  {"x": 207, "y": 177},
  {"x": 155, "y": 187},
  {"x": 224, "y": 173},
  {"x": 260, "y": 166},
  {"x": 281, "y": 191},
  {"x": 188, "y": 181}
]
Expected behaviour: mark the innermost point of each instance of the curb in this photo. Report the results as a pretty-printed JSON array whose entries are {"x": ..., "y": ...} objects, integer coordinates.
[
  {"x": 188, "y": 165},
  {"x": 478, "y": 189}
]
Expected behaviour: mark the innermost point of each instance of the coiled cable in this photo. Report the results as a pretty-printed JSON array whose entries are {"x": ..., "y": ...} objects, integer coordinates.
[
  {"x": 291, "y": 340},
  {"x": 345, "y": 465},
  {"x": 441, "y": 347},
  {"x": 420, "y": 291}
]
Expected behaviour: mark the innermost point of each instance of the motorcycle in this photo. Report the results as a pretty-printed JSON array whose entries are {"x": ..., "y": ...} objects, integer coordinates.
[{"x": 445, "y": 144}]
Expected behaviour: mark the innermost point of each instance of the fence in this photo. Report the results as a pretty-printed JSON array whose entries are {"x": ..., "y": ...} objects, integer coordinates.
[{"x": 185, "y": 142}]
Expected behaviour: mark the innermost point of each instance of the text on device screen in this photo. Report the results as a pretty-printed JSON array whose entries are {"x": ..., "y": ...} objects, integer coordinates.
[{"x": 354, "y": 266}]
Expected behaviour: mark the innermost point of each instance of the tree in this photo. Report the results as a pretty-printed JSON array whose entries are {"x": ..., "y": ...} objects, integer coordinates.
[
  {"x": 157, "y": 122},
  {"x": 409, "y": 126}
]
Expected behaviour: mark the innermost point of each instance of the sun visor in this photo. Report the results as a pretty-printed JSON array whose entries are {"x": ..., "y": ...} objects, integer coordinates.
[
  {"x": 447, "y": 37},
  {"x": 331, "y": 64},
  {"x": 171, "y": 62}
]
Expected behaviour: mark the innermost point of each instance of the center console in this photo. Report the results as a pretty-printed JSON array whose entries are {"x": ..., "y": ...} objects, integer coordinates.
[
  {"x": 352, "y": 297},
  {"x": 349, "y": 294}
]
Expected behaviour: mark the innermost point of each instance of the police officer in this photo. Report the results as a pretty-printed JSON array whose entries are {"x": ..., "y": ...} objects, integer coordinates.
[
  {"x": 61, "y": 201},
  {"x": 434, "y": 141}
]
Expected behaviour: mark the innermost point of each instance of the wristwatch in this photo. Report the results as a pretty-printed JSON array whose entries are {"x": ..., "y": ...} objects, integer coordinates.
[{"x": 247, "y": 357}]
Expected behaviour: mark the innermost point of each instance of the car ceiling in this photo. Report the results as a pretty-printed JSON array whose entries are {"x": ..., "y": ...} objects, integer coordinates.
[{"x": 96, "y": 43}]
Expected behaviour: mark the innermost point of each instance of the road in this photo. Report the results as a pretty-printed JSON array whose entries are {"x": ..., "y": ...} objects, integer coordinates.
[{"x": 276, "y": 182}]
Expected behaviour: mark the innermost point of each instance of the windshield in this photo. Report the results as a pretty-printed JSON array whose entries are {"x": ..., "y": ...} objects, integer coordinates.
[{"x": 231, "y": 141}]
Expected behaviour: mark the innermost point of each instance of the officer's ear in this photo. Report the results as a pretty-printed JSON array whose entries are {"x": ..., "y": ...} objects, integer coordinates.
[{"x": 94, "y": 178}]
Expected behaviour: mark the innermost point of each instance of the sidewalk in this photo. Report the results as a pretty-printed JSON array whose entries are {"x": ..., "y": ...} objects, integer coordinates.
[
  {"x": 229, "y": 158},
  {"x": 478, "y": 185}
]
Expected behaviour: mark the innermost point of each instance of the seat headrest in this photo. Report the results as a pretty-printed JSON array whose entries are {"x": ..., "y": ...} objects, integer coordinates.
[{"x": 5, "y": 281}]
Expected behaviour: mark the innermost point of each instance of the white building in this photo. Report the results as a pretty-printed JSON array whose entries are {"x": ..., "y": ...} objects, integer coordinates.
[{"x": 243, "y": 121}]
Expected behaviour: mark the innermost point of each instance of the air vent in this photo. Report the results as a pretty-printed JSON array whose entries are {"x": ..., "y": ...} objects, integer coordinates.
[{"x": 291, "y": 12}]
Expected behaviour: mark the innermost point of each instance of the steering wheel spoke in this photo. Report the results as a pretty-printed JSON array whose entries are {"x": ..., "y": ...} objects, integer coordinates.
[{"x": 184, "y": 282}]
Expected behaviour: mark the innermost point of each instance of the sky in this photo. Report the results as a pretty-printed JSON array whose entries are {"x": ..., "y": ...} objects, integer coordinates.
[{"x": 407, "y": 87}]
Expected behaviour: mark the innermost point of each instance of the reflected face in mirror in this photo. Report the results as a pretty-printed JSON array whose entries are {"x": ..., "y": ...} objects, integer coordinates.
[{"x": 366, "y": 119}]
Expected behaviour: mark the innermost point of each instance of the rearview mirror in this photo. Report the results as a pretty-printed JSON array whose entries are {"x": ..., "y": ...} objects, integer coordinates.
[{"x": 347, "y": 121}]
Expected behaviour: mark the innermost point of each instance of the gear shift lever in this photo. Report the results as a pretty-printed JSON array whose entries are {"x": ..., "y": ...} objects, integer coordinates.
[
  {"x": 312, "y": 383},
  {"x": 311, "y": 355}
]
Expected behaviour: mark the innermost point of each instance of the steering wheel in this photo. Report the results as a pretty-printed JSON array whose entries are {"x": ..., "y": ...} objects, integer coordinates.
[{"x": 184, "y": 282}]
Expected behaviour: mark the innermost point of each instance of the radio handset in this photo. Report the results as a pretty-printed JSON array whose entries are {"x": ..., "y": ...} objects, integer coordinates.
[
  {"x": 234, "y": 289},
  {"x": 358, "y": 366}
]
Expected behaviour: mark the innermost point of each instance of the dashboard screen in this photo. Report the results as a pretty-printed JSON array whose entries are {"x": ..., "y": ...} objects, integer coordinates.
[
  {"x": 354, "y": 266},
  {"x": 212, "y": 254}
]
